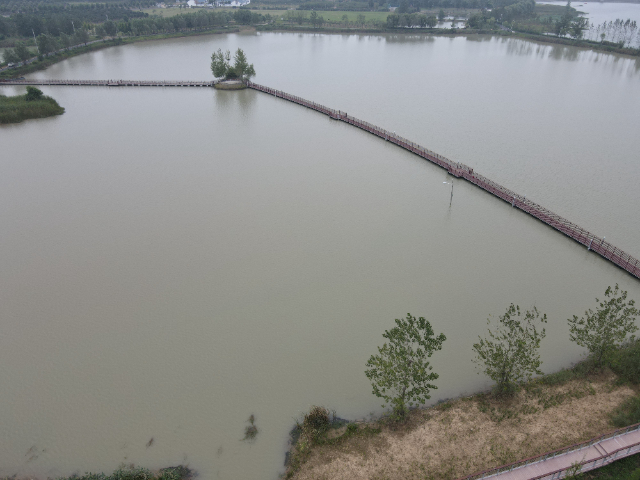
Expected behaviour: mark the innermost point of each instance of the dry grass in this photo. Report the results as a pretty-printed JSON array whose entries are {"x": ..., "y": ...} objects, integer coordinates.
[{"x": 471, "y": 434}]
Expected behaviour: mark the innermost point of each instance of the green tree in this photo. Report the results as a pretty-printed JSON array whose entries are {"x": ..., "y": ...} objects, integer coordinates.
[
  {"x": 432, "y": 21},
  {"x": 46, "y": 44},
  {"x": 601, "y": 331},
  {"x": 577, "y": 26},
  {"x": 241, "y": 67},
  {"x": 33, "y": 93},
  {"x": 509, "y": 355},
  {"x": 22, "y": 51},
  {"x": 220, "y": 63},
  {"x": 345, "y": 19},
  {"x": 110, "y": 28},
  {"x": 315, "y": 19},
  {"x": 441, "y": 15},
  {"x": 82, "y": 36},
  {"x": 361, "y": 19},
  {"x": 9, "y": 56},
  {"x": 400, "y": 373}
]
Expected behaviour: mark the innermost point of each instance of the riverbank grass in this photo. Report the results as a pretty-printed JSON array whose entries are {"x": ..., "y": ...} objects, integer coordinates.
[
  {"x": 21, "y": 107},
  {"x": 459, "y": 437}
]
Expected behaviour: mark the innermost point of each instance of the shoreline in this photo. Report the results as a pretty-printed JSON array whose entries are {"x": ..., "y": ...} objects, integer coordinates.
[
  {"x": 463, "y": 32},
  {"x": 38, "y": 65},
  {"x": 59, "y": 56},
  {"x": 548, "y": 413}
]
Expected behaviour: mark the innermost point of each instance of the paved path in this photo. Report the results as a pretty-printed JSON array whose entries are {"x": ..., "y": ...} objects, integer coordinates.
[{"x": 554, "y": 465}]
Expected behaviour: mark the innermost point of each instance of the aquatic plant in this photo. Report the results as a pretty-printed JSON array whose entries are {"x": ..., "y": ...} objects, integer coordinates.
[{"x": 250, "y": 430}]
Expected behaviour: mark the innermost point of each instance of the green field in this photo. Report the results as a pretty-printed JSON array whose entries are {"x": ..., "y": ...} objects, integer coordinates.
[{"x": 332, "y": 16}]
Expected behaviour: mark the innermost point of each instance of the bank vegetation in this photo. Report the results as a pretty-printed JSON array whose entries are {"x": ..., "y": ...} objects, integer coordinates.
[
  {"x": 522, "y": 416},
  {"x": 462, "y": 436},
  {"x": 31, "y": 105}
]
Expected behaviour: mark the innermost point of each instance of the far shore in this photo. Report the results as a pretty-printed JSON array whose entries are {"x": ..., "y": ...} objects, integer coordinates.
[{"x": 44, "y": 63}]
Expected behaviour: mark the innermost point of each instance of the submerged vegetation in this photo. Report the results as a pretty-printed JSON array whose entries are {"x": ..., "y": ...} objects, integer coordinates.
[
  {"x": 250, "y": 431},
  {"x": 138, "y": 473},
  {"x": 31, "y": 105}
]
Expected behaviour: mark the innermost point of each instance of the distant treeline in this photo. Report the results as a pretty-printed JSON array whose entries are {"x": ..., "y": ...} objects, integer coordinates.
[
  {"x": 61, "y": 31},
  {"x": 59, "y": 18},
  {"x": 15, "y": 6}
]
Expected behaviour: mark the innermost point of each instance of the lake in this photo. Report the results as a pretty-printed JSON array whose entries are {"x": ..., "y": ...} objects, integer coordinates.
[{"x": 175, "y": 260}]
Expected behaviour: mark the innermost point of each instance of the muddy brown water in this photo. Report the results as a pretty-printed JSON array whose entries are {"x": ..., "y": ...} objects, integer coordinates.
[{"x": 174, "y": 260}]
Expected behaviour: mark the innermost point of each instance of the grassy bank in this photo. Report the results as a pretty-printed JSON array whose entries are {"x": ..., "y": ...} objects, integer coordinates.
[
  {"x": 45, "y": 62},
  {"x": 17, "y": 109},
  {"x": 459, "y": 437}
]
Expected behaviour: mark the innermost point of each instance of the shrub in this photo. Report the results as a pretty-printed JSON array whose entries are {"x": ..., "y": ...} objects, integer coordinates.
[
  {"x": 626, "y": 362},
  {"x": 627, "y": 413},
  {"x": 315, "y": 423},
  {"x": 33, "y": 93},
  {"x": 251, "y": 430}
]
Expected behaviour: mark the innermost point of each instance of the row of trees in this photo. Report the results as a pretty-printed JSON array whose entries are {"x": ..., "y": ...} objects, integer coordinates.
[
  {"x": 45, "y": 44},
  {"x": 402, "y": 376},
  {"x": 80, "y": 33},
  {"x": 64, "y": 21},
  {"x": 32, "y": 6},
  {"x": 620, "y": 31},
  {"x": 122, "y": 21}
]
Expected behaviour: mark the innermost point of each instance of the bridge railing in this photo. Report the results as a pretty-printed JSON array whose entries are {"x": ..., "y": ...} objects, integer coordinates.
[
  {"x": 554, "y": 453},
  {"x": 574, "y": 231}
]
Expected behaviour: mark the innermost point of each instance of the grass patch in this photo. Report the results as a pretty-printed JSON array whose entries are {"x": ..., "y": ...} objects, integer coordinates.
[
  {"x": 17, "y": 109},
  {"x": 625, "y": 362},
  {"x": 625, "y": 469},
  {"x": 628, "y": 413}
]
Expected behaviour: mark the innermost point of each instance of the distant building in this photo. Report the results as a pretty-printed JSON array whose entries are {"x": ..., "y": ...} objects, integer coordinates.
[{"x": 233, "y": 3}]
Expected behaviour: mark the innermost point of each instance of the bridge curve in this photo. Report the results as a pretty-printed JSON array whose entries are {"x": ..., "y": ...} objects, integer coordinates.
[
  {"x": 460, "y": 170},
  {"x": 594, "y": 243}
]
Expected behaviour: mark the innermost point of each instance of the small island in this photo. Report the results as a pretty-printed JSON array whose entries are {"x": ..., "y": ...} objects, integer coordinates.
[
  {"x": 34, "y": 104},
  {"x": 231, "y": 77}
]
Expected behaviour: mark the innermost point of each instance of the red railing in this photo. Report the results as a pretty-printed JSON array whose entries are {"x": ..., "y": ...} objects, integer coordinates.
[{"x": 579, "y": 234}]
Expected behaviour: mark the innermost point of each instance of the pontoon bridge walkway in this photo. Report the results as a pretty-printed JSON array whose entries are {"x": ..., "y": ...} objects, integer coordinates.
[{"x": 460, "y": 170}]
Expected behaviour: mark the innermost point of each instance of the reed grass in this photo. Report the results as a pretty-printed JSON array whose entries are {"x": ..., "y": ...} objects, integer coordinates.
[{"x": 17, "y": 109}]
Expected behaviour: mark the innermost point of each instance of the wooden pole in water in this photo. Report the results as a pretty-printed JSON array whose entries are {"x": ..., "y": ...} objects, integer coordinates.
[{"x": 451, "y": 199}]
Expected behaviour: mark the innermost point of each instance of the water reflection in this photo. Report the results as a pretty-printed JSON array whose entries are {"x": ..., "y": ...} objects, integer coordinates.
[{"x": 410, "y": 38}]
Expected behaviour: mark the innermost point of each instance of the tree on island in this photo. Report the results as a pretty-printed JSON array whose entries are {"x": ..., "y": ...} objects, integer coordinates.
[
  {"x": 603, "y": 330},
  {"x": 509, "y": 356},
  {"x": 221, "y": 66},
  {"x": 33, "y": 93},
  {"x": 400, "y": 373}
]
